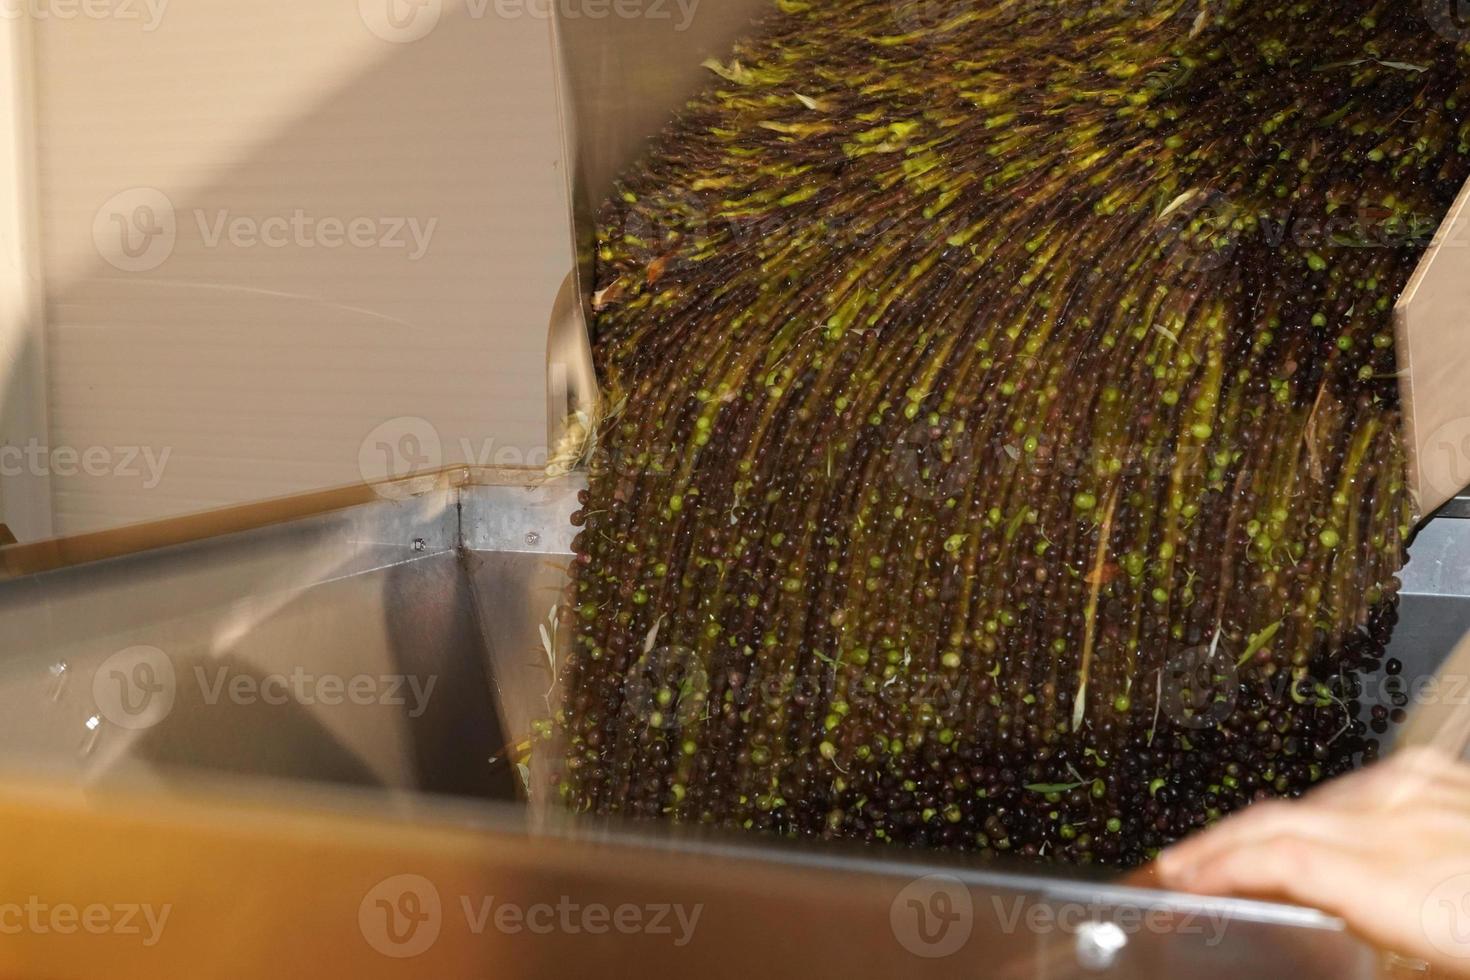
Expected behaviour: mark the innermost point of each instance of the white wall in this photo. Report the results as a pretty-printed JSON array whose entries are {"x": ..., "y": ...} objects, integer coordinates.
[{"x": 264, "y": 368}]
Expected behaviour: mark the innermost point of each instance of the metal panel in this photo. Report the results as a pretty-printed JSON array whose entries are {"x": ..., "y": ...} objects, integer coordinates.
[
  {"x": 341, "y": 647},
  {"x": 1439, "y": 559},
  {"x": 534, "y": 519}
]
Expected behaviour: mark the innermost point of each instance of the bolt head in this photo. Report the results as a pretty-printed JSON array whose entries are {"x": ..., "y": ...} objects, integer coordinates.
[{"x": 1099, "y": 943}]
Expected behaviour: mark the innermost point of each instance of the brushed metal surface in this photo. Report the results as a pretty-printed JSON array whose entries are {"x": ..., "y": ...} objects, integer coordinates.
[
  {"x": 342, "y": 647},
  {"x": 534, "y": 519},
  {"x": 1439, "y": 559}
]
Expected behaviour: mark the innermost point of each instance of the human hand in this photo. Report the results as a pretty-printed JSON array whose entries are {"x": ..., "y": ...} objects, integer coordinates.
[{"x": 1386, "y": 848}]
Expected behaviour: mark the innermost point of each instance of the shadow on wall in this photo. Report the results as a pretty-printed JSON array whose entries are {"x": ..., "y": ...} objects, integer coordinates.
[{"x": 391, "y": 255}]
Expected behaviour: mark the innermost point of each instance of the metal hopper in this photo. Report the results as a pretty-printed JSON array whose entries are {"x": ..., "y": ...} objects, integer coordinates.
[{"x": 289, "y": 720}]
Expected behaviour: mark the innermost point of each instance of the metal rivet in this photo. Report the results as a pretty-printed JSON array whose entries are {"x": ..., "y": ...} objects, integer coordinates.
[{"x": 1098, "y": 944}]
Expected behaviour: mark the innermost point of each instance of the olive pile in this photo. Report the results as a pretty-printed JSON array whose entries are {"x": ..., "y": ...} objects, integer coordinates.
[{"x": 1002, "y": 444}]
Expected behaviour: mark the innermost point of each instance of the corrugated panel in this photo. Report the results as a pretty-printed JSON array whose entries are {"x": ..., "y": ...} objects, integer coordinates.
[{"x": 269, "y": 232}]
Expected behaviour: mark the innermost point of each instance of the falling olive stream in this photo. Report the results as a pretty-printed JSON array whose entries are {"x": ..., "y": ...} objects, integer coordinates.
[{"x": 1000, "y": 444}]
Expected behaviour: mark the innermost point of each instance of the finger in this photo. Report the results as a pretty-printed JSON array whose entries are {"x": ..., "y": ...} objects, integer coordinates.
[
  {"x": 1374, "y": 788},
  {"x": 1402, "y": 778},
  {"x": 1259, "y": 823},
  {"x": 1297, "y": 869},
  {"x": 1412, "y": 780},
  {"x": 1418, "y": 775},
  {"x": 1333, "y": 879},
  {"x": 1256, "y": 821}
]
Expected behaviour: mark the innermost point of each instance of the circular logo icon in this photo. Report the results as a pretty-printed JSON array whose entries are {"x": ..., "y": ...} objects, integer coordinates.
[
  {"x": 1450, "y": 19},
  {"x": 399, "y": 448},
  {"x": 1446, "y": 917},
  {"x": 136, "y": 230},
  {"x": 933, "y": 462},
  {"x": 401, "y": 21},
  {"x": 135, "y": 689},
  {"x": 1197, "y": 230},
  {"x": 667, "y": 688},
  {"x": 1199, "y": 687},
  {"x": 635, "y": 461},
  {"x": 401, "y": 916},
  {"x": 679, "y": 213},
  {"x": 1444, "y": 458},
  {"x": 933, "y": 916}
]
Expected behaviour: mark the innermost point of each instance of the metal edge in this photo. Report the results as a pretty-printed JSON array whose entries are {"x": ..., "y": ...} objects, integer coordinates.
[
  {"x": 355, "y": 846},
  {"x": 571, "y": 377},
  {"x": 229, "y": 799},
  {"x": 1456, "y": 509},
  {"x": 66, "y": 552},
  {"x": 17, "y": 560}
]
